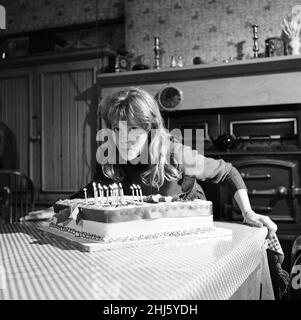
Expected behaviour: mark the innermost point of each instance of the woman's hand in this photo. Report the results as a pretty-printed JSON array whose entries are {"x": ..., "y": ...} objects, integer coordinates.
[{"x": 254, "y": 219}]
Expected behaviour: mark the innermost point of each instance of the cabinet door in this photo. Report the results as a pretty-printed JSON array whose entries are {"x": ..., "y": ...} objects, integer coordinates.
[
  {"x": 68, "y": 114},
  {"x": 190, "y": 123},
  {"x": 15, "y": 116}
]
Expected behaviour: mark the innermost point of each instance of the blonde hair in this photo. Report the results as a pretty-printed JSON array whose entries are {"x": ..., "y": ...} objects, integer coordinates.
[{"x": 138, "y": 106}]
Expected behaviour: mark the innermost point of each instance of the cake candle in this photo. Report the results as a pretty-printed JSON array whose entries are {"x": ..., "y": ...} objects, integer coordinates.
[
  {"x": 85, "y": 193},
  {"x": 136, "y": 191},
  {"x": 121, "y": 193},
  {"x": 95, "y": 191},
  {"x": 106, "y": 194},
  {"x": 133, "y": 194},
  {"x": 111, "y": 194},
  {"x": 115, "y": 194},
  {"x": 100, "y": 192},
  {"x": 140, "y": 192}
]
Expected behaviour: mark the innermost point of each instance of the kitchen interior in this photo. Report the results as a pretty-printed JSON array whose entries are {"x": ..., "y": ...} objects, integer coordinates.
[{"x": 233, "y": 67}]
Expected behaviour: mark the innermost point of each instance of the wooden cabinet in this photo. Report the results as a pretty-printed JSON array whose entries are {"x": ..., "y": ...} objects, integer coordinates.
[
  {"x": 51, "y": 107},
  {"x": 16, "y": 96}
]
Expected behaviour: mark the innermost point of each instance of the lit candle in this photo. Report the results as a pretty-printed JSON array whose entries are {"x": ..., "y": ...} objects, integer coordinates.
[
  {"x": 115, "y": 194},
  {"x": 140, "y": 192},
  {"x": 121, "y": 193},
  {"x": 111, "y": 194},
  {"x": 100, "y": 192},
  {"x": 85, "y": 193},
  {"x": 136, "y": 191},
  {"x": 133, "y": 194},
  {"x": 106, "y": 194},
  {"x": 95, "y": 191}
]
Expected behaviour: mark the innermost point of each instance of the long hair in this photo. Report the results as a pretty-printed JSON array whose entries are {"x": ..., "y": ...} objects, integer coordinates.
[{"x": 135, "y": 105}]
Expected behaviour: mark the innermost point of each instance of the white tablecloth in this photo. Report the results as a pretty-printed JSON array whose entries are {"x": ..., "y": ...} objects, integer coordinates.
[{"x": 35, "y": 266}]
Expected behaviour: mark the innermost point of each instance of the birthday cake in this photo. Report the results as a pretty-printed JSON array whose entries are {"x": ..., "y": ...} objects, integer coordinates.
[{"x": 116, "y": 217}]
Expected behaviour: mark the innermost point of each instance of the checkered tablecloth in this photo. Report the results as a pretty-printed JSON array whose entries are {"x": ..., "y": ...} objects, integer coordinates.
[
  {"x": 35, "y": 266},
  {"x": 274, "y": 245}
]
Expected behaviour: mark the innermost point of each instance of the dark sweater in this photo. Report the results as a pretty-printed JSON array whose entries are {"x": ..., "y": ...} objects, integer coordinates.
[{"x": 187, "y": 186}]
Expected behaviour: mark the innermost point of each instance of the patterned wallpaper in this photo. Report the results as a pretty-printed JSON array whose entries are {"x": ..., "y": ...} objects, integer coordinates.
[
  {"x": 31, "y": 15},
  {"x": 214, "y": 30},
  {"x": 28, "y": 15}
]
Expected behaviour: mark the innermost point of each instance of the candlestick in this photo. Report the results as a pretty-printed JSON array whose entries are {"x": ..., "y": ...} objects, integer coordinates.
[
  {"x": 157, "y": 53},
  {"x": 255, "y": 38}
]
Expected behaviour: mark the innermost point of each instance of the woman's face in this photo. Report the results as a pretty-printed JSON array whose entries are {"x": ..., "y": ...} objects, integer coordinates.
[{"x": 130, "y": 139}]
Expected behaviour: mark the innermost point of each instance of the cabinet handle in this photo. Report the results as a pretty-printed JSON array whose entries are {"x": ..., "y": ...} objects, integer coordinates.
[
  {"x": 247, "y": 176},
  {"x": 35, "y": 138},
  {"x": 279, "y": 191}
]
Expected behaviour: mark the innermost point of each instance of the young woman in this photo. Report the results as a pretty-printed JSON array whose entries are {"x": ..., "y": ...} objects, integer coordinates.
[{"x": 148, "y": 155}]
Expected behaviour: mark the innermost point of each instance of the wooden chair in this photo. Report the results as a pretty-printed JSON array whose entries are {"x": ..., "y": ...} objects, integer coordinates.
[{"x": 17, "y": 192}]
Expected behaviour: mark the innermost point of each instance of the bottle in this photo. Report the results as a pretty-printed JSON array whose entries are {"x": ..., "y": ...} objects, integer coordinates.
[
  {"x": 180, "y": 61},
  {"x": 173, "y": 62}
]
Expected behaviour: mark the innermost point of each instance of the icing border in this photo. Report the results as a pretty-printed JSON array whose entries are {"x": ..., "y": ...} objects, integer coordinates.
[{"x": 166, "y": 234}]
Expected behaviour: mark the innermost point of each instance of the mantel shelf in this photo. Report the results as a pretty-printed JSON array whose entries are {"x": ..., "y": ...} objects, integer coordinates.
[{"x": 205, "y": 71}]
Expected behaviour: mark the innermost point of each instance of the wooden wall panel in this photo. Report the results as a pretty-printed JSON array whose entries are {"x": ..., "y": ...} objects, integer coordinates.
[
  {"x": 66, "y": 134},
  {"x": 15, "y": 113}
]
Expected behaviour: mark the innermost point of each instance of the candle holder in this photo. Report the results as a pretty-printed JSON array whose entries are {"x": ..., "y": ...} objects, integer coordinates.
[
  {"x": 255, "y": 38},
  {"x": 157, "y": 51}
]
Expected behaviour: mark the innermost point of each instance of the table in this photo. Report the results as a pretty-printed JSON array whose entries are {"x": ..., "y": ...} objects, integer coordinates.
[{"x": 34, "y": 266}]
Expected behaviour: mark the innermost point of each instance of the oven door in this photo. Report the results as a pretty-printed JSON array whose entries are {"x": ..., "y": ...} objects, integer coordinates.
[{"x": 272, "y": 188}]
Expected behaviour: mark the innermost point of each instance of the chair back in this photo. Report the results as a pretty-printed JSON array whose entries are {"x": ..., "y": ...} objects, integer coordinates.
[{"x": 19, "y": 191}]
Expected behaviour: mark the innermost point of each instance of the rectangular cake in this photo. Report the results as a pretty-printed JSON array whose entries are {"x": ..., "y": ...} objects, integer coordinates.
[{"x": 131, "y": 220}]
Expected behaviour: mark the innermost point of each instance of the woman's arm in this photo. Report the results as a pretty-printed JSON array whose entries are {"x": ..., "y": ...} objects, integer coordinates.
[{"x": 219, "y": 171}]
